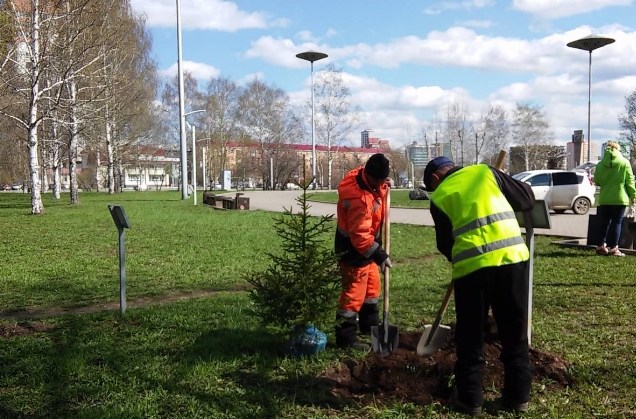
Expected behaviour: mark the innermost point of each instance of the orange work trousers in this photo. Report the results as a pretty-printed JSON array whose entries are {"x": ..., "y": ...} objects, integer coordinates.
[{"x": 359, "y": 285}]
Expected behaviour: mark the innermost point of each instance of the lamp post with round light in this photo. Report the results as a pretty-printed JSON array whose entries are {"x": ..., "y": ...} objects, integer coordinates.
[
  {"x": 312, "y": 56},
  {"x": 194, "y": 158},
  {"x": 589, "y": 44}
]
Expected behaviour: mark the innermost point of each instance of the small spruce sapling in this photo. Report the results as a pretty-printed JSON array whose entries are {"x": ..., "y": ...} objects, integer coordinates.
[{"x": 300, "y": 289}]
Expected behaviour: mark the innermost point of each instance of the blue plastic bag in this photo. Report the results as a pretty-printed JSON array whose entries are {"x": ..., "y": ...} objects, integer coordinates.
[{"x": 307, "y": 342}]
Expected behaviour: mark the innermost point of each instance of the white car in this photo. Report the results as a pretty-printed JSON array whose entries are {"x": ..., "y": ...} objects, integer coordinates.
[
  {"x": 561, "y": 190},
  {"x": 589, "y": 168}
]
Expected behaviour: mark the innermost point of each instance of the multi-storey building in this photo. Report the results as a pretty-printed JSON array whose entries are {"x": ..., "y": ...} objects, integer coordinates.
[
  {"x": 366, "y": 141},
  {"x": 421, "y": 154},
  {"x": 577, "y": 153}
]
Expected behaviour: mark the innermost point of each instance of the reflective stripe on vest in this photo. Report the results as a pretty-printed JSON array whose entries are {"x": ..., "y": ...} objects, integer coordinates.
[
  {"x": 485, "y": 230},
  {"x": 475, "y": 251},
  {"x": 484, "y": 221}
]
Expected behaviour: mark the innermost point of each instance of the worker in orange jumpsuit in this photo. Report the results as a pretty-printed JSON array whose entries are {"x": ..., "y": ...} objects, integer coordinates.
[{"x": 361, "y": 202}]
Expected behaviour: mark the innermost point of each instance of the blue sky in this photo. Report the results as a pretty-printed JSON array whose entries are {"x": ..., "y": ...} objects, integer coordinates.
[{"x": 405, "y": 60}]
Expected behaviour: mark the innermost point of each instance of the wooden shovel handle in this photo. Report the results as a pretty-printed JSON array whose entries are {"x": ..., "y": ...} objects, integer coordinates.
[
  {"x": 387, "y": 224},
  {"x": 440, "y": 313},
  {"x": 387, "y": 246},
  {"x": 501, "y": 158}
]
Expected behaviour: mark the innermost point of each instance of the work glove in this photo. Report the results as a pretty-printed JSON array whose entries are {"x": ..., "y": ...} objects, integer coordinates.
[{"x": 384, "y": 265}]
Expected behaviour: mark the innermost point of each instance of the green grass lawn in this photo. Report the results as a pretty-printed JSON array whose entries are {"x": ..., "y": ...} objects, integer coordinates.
[
  {"x": 207, "y": 358},
  {"x": 399, "y": 198}
]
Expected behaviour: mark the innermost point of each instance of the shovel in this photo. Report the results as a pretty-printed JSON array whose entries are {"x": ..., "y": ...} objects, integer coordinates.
[
  {"x": 385, "y": 338},
  {"x": 435, "y": 335}
]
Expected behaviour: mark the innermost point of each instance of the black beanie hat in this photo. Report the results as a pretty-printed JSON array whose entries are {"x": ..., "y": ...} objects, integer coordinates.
[{"x": 377, "y": 166}]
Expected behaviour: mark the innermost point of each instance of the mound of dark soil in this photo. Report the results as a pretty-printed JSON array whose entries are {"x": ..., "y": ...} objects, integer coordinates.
[{"x": 406, "y": 377}]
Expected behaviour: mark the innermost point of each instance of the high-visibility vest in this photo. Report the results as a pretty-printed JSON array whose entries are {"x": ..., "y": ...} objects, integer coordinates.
[{"x": 485, "y": 230}]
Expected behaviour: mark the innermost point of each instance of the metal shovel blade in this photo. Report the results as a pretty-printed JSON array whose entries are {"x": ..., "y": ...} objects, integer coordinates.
[
  {"x": 437, "y": 341},
  {"x": 384, "y": 338}
]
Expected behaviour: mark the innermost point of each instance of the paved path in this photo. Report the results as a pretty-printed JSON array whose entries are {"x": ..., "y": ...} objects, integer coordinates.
[{"x": 564, "y": 225}]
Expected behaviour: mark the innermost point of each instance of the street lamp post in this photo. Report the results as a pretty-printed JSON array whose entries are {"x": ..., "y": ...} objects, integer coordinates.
[
  {"x": 194, "y": 158},
  {"x": 312, "y": 56},
  {"x": 589, "y": 44},
  {"x": 182, "y": 128},
  {"x": 203, "y": 150}
]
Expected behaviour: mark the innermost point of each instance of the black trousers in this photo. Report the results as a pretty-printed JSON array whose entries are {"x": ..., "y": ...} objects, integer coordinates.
[{"x": 505, "y": 290}]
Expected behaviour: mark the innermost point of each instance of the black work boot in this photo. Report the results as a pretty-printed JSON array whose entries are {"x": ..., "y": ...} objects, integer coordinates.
[
  {"x": 346, "y": 329},
  {"x": 369, "y": 316},
  {"x": 460, "y": 407}
]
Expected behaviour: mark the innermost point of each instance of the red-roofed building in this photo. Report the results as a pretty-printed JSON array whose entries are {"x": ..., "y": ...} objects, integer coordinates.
[{"x": 242, "y": 158}]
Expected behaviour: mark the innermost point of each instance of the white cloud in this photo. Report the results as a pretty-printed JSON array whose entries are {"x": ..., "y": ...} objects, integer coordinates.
[
  {"x": 392, "y": 111},
  {"x": 438, "y": 8},
  {"x": 219, "y": 15},
  {"x": 565, "y": 102},
  {"x": 305, "y": 36},
  {"x": 259, "y": 75},
  {"x": 554, "y": 9},
  {"x": 462, "y": 47},
  {"x": 308, "y": 36},
  {"x": 476, "y": 23},
  {"x": 557, "y": 76},
  {"x": 620, "y": 86},
  {"x": 199, "y": 71},
  {"x": 282, "y": 51}
]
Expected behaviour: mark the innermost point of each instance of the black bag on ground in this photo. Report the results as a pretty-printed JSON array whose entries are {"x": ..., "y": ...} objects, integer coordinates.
[{"x": 418, "y": 194}]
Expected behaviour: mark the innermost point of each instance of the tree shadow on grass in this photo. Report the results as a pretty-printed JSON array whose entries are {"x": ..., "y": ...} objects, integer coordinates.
[
  {"x": 14, "y": 205},
  {"x": 48, "y": 372},
  {"x": 260, "y": 384},
  {"x": 85, "y": 365},
  {"x": 61, "y": 293}
]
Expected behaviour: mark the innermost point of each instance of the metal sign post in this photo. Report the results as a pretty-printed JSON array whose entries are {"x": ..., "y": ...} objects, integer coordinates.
[
  {"x": 538, "y": 217},
  {"x": 121, "y": 221}
]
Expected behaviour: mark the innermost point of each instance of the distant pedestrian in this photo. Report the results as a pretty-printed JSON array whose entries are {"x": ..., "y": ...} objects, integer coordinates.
[{"x": 615, "y": 177}]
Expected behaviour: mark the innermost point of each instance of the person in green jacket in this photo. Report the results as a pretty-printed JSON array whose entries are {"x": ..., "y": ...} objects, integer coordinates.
[{"x": 615, "y": 177}]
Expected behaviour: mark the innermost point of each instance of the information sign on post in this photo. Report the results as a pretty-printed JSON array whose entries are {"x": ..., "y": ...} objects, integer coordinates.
[{"x": 122, "y": 223}]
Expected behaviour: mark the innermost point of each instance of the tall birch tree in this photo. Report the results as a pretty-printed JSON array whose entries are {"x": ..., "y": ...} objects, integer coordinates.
[
  {"x": 335, "y": 116},
  {"x": 530, "y": 129}
]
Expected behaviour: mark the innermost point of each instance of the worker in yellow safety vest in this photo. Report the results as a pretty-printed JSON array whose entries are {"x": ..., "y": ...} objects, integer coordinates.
[{"x": 473, "y": 209}]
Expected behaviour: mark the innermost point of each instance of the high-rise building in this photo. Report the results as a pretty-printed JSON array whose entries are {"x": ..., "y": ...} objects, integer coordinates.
[
  {"x": 418, "y": 154},
  {"x": 421, "y": 154},
  {"x": 577, "y": 153},
  {"x": 364, "y": 138},
  {"x": 366, "y": 141}
]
